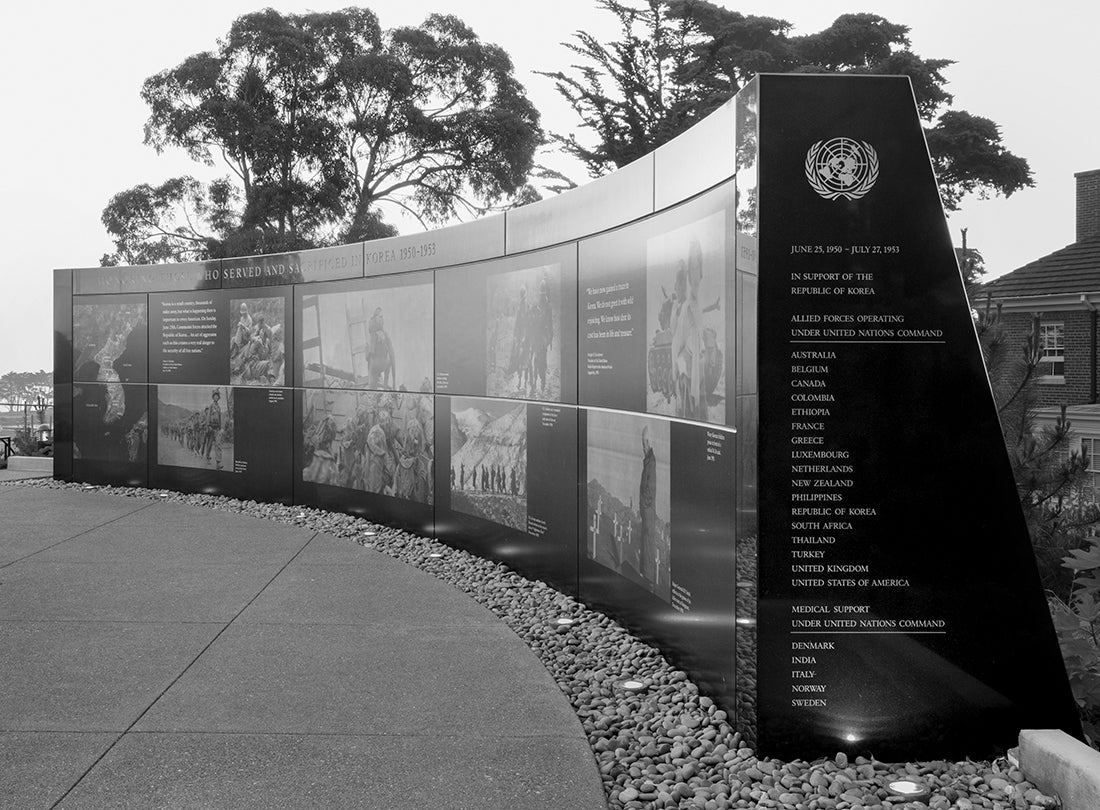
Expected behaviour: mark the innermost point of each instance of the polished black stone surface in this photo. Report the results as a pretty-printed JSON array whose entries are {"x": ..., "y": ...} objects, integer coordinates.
[
  {"x": 373, "y": 333},
  {"x": 786, "y": 470},
  {"x": 505, "y": 485},
  {"x": 508, "y": 327},
  {"x": 110, "y": 433},
  {"x": 900, "y": 610},
  {"x": 657, "y": 531},
  {"x": 367, "y": 453},
  {"x": 634, "y": 284},
  {"x": 222, "y": 440}
]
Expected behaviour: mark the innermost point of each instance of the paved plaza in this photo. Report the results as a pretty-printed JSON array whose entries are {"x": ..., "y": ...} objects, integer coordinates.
[{"x": 162, "y": 655}]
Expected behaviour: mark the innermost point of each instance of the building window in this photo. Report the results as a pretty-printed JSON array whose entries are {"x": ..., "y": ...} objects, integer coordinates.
[{"x": 1052, "y": 350}]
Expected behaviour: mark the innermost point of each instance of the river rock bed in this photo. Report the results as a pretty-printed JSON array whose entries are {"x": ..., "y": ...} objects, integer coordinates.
[{"x": 665, "y": 746}]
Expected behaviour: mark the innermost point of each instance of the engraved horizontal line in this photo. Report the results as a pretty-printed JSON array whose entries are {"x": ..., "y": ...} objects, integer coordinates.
[
  {"x": 868, "y": 341},
  {"x": 868, "y": 632}
]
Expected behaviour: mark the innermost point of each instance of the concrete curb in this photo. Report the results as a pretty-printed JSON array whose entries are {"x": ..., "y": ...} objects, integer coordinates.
[
  {"x": 38, "y": 464},
  {"x": 1061, "y": 766}
]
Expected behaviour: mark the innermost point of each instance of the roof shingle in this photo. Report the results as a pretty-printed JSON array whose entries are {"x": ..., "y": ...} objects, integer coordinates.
[{"x": 1073, "y": 269}]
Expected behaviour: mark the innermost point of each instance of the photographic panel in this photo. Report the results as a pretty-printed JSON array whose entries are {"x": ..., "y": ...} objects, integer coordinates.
[
  {"x": 506, "y": 483},
  {"x": 195, "y": 427},
  {"x": 657, "y": 303},
  {"x": 222, "y": 440},
  {"x": 370, "y": 334},
  {"x": 258, "y": 329},
  {"x": 508, "y": 328},
  {"x": 368, "y": 453},
  {"x": 110, "y": 337},
  {"x": 657, "y": 517},
  {"x": 110, "y": 433},
  {"x": 221, "y": 337},
  {"x": 627, "y": 489}
]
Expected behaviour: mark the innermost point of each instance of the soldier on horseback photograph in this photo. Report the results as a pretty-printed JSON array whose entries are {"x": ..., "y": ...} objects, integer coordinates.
[{"x": 370, "y": 334}]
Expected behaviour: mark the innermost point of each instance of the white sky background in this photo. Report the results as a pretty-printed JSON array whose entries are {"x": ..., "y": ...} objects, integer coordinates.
[{"x": 71, "y": 133}]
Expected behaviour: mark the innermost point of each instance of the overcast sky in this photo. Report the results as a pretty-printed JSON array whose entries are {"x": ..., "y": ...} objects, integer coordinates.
[{"x": 71, "y": 72}]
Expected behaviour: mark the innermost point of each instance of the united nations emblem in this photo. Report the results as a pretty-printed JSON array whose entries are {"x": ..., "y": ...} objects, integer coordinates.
[{"x": 841, "y": 167}]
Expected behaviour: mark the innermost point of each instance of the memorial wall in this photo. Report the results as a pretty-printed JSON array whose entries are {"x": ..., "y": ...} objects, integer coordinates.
[{"x": 730, "y": 394}]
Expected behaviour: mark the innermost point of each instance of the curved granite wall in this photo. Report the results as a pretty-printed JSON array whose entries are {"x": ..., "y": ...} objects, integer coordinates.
[{"x": 571, "y": 388}]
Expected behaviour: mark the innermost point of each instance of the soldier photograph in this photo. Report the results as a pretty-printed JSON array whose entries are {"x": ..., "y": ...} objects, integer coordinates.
[
  {"x": 523, "y": 334},
  {"x": 257, "y": 343},
  {"x": 629, "y": 497},
  {"x": 686, "y": 321},
  {"x": 353, "y": 440},
  {"x": 195, "y": 424},
  {"x": 489, "y": 460},
  {"x": 370, "y": 337}
]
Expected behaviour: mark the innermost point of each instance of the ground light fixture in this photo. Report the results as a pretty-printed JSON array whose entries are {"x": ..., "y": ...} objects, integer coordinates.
[
  {"x": 631, "y": 686},
  {"x": 436, "y": 555},
  {"x": 564, "y": 621},
  {"x": 909, "y": 789},
  {"x": 745, "y": 621}
]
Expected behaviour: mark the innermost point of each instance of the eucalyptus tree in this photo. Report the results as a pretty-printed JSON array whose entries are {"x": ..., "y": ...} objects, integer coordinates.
[{"x": 320, "y": 118}]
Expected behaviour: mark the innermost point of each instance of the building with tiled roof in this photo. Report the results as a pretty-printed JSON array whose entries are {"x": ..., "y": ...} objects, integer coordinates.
[{"x": 1058, "y": 297}]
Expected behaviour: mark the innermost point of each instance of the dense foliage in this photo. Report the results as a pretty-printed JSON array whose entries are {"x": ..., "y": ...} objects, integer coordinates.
[
  {"x": 1050, "y": 474},
  {"x": 1078, "y": 624},
  {"x": 320, "y": 118},
  {"x": 678, "y": 60}
]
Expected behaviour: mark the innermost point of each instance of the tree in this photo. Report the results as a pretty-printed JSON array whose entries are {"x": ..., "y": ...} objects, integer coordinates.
[
  {"x": 1049, "y": 473},
  {"x": 179, "y": 220},
  {"x": 653, "y": 102},
  {"x": 1050, "y": 476},
  {"x": 678, "y": 60},
  {"x": 320, "y": 118}
]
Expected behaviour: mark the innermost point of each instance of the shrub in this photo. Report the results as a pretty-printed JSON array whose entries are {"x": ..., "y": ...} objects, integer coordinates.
[{"x": 1078, "y": 624}]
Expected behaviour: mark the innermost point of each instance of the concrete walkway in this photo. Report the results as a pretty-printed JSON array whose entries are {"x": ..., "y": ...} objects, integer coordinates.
[{"x": 157, "y": 655}]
